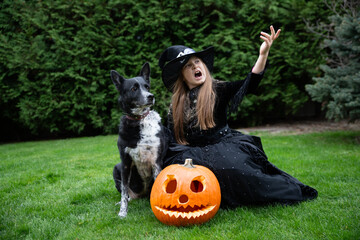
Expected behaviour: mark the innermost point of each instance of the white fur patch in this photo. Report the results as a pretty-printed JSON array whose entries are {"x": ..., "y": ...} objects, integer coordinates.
[{"x": 146, "y": 151}]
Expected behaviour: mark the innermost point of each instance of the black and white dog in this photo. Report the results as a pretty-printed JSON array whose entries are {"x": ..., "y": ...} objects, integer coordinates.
[{"x": 142, "y": 139}]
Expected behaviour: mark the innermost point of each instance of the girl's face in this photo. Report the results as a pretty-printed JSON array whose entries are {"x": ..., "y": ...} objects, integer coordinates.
[{"x": 194, "y": 72}]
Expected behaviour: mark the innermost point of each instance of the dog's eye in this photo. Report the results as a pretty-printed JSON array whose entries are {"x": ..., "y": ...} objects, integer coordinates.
[
  {"x": 147, "y": 87},
  {"x": 134, "y": 89}
]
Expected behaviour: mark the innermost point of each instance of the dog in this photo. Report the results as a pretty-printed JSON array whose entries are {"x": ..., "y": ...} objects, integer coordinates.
[{"x": 142, "y": 141}]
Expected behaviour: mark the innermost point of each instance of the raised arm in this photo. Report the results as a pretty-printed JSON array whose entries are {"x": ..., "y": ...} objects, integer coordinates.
[{"x": 264, "y": 49}]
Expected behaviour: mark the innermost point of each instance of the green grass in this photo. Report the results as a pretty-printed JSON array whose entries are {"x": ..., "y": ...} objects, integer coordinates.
[{"x": 63, "y": 189}]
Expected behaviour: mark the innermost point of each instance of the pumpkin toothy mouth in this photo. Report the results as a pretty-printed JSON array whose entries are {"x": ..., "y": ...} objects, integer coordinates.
[{"x": 188, "y": 212}]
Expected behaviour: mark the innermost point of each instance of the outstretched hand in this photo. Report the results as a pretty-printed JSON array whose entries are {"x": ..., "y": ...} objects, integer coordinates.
[
  {"x": 264, "y": 49},
  {"x": 268, "y": 40}
]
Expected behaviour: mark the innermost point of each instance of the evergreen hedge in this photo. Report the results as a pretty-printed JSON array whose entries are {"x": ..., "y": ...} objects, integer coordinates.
[{"x": 55, "y": 57}]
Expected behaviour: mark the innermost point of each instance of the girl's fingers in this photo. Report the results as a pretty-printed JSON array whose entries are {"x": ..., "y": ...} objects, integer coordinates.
[
  {"x": 266, "y": 40},
  {"x": 269, "y": 38},
  {"x": 266, "y": 35},
  {"x": 277, "y": 34},
  {"x": 272, "y": 30}
]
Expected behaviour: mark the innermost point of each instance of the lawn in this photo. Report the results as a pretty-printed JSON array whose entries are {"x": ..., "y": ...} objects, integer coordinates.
[{"x": 63, "y": 189}]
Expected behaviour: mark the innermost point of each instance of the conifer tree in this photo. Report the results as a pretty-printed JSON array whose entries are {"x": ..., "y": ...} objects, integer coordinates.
[{"x": 339, "y": 88}]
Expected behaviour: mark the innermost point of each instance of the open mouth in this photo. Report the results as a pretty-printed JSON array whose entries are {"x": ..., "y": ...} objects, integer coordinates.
[
  {"x": 140, "y": 110},
  {"x": 198, "y": 74},
  {"x": 188, "y": 212}
]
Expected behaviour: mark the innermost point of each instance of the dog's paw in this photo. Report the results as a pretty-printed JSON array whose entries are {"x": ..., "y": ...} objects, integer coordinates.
[
  {"x": 122, "y": 214},
  {"x": 123, "y": 210}
]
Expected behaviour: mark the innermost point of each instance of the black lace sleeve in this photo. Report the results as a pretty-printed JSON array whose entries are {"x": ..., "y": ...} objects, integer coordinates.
[{"x": 241, "y": 88}]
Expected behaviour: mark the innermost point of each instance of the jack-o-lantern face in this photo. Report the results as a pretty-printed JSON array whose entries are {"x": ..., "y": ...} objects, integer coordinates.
[{"x": 185, "y": 194}]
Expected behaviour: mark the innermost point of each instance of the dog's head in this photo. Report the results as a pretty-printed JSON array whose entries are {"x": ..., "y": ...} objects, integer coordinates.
[{"x": 134, "y": 93}]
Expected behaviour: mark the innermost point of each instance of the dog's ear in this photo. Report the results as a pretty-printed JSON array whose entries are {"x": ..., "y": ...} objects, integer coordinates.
[
  {"x": 145, "y": 72},
  {"x": 117, "y": 79}
]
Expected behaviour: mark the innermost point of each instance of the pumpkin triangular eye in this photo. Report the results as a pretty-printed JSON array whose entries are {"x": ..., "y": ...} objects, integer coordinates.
[
  {"x": 198, "y": 184},
  {"x": 170, "y": 184}
]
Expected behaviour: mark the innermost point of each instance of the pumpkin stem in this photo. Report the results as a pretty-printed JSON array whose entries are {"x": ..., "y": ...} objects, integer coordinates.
[{"x": 188, "y": 163}]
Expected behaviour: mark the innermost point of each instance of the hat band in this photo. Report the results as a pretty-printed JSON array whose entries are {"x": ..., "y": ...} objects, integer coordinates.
[{"x": 185, "y": 52}]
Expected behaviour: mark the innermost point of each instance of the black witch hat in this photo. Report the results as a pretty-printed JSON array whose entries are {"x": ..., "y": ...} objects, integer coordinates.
[{"x": 173, "y": 59}]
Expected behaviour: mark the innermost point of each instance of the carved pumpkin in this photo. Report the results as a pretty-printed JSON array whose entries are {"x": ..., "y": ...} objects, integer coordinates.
[{"x": 185, "y": 194}]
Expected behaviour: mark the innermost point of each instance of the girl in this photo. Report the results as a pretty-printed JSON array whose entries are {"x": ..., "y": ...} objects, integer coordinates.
[{"x": 197, "y": 121}]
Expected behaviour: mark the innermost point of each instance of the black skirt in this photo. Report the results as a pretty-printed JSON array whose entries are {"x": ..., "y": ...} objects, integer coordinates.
[{"x": 245, "y": 175}]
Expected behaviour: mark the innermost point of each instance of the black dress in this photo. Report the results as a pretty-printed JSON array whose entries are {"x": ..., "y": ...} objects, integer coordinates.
[{"x": 245, "y": 175}]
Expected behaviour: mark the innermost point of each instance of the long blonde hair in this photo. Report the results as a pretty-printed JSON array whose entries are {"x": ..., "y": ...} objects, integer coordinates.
[{"x": 204, "y": 107}]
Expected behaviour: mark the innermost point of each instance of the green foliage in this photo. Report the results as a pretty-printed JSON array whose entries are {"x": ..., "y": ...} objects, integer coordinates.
[
  {"x": 55, "y": 56},
  {"x": 339, "y": 89}
]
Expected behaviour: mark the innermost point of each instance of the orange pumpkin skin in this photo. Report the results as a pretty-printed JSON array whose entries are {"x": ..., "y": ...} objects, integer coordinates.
[{"x": 185, "y": 194}]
